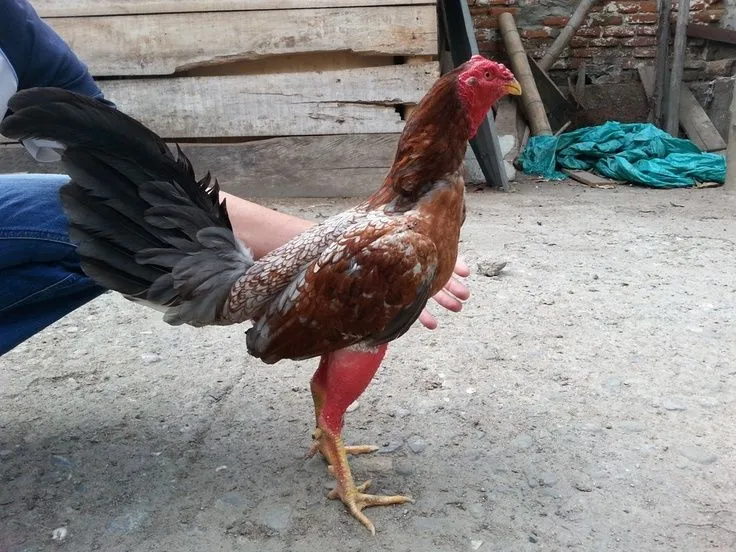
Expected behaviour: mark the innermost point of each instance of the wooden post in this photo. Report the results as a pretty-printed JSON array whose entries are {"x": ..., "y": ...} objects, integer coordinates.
[
  {"x": 554, "y": 51},
  {"x": 678, "y": 62},
  {"x": 661, "y": 64},
  {"x": 730, "y": 183},
  {"x": 530, "y": 98}
]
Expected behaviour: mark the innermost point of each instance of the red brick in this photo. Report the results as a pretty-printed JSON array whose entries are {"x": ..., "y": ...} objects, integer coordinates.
[
  {"x": 645, "y": 52},
  {"x": 628, "y": 7},
  {"x": 608, "y": 42},
  {"x": 489, "y": 47},
  {"x": 535, "y": 32},
  {"x": 604, "y": 19},
  {"x": 585, "y": 52},
  {"x": 648, "y": 6},
  {"x": 555, "y": 21},
  {"x": 707, "y": 16},
  {"x": 698, "y": 5},
  {"x": 640, "y": 41},
  {"x": 645, "y": 30},
  {"x": 498, "y": 10},
  {"x": 642, "y": 18},
  {"x": 618, "y": 31},
  {"x": 579, "y": 42},
  {"x": 589, "y": 31}
]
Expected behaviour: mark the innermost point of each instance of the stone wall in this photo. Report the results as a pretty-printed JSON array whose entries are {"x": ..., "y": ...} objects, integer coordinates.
[{"x": 615, "y": 38}]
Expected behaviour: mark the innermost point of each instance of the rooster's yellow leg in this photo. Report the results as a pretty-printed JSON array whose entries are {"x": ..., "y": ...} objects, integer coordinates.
[
  {"x": 352, "y": 495},
  {"x": 340, "y": 379}
]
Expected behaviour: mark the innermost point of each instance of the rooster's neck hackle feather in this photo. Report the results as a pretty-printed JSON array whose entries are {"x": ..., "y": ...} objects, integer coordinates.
[{"x": 432, "y": 146}]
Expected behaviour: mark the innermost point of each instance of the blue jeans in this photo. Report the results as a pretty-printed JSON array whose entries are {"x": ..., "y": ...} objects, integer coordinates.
[{"x": 40, "y": 276}]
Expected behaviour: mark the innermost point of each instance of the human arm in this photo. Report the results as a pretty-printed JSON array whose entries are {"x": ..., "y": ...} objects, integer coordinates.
[{"x": 263, "y": 229}]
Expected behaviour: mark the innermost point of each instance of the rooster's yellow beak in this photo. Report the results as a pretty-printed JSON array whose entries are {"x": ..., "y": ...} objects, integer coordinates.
[{"x": 513, "y": 88}]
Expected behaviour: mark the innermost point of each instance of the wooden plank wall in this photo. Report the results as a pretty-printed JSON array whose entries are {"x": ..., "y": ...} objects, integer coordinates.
[{"x": 276, "y": 98}]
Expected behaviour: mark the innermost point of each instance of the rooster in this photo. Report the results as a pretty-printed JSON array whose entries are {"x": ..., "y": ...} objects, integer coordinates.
[{"x": 341, "y": 290}]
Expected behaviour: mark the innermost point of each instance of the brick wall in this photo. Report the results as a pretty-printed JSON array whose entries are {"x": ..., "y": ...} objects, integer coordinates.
[{"x": 615, "y": 38}]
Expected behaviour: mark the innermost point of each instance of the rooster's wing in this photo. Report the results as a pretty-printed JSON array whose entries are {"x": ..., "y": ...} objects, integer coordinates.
[{"x": 367, "y": 287}]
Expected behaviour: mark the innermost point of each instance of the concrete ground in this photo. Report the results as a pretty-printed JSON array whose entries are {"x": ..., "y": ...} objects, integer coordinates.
[{"x": 584, "y": 400}]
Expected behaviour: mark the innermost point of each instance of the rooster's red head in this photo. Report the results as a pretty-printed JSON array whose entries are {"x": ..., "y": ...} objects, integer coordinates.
[{"x": 481, "y": 83}]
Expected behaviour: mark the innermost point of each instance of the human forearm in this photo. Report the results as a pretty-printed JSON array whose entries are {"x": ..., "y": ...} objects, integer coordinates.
[{"x": 260, "y": 228}]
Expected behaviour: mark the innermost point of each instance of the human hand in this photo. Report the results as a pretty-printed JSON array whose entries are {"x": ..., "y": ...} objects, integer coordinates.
[{"x": 451, "y": 296}]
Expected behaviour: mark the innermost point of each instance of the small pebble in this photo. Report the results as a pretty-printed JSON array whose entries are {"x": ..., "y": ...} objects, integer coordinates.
[
  {"x": 391, "y": 446},
  {"x": 59, "y": 534},
  {"x": 416, "y": 444},
  {"x": 583, "y": 486},
  {"x": 491, "y": 269},
  {"x": 220, "y": 468},
  {"x": 544, "y": 479},
  {"x": 150, "y": 358},
  {"x": 476, "y": 544},
  {"x": 353, "y": 407}
]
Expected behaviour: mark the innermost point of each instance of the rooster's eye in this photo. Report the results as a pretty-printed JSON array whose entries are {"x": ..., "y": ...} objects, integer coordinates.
[{"x": 487, "y": 75}]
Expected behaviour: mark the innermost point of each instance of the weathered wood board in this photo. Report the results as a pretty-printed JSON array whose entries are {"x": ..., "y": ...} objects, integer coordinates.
[
  {"x": 352, "y": 101},
  {"x": 592, "y": 180},
  {"x": 162, "y": 44},
  {"x": 698, "y": 126},
  {"x": 67, "y": 8},
  {"x": 693, "y": 118},
  {"x": 295, "y": 166}
]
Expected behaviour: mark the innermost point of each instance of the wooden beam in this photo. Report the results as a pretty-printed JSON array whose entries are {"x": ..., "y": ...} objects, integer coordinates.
[
  {"x": 163, "y": 44},
  {"x": 646, "y": 76},
  {"x": 693, "y": 118},
  {"x": 658, "y": 94},
  {"x": 698, "y": 126},
  {"x": 554, "y": 51},
  {"x": 558, "y": 108},
  {"x": 678, "y": 62},
  {"x": 459, "y": 34},
  {"x": 592, "y": 180},
  {"x": 530, "y": 97},
  {"x": 298, "y": 166},
  {"x": 236, "y": 106},
  {"x": 71, "y": 8},
  {"x": 727, "y": 36}
]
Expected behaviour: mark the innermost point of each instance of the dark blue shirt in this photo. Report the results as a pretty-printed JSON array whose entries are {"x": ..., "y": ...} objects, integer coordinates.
[{"x": 38, "y": 55}]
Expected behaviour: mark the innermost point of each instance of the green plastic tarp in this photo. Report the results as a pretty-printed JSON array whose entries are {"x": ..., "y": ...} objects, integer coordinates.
[{"x": 634, "y": 152}]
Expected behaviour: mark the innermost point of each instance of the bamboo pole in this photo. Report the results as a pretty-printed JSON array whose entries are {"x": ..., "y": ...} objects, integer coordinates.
[
  {"x": 678, "y": 62},
  {"x": 530, "y": 99},
  {"x": 663, "y": 52},
  {"x": 554, "y": 51}
]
